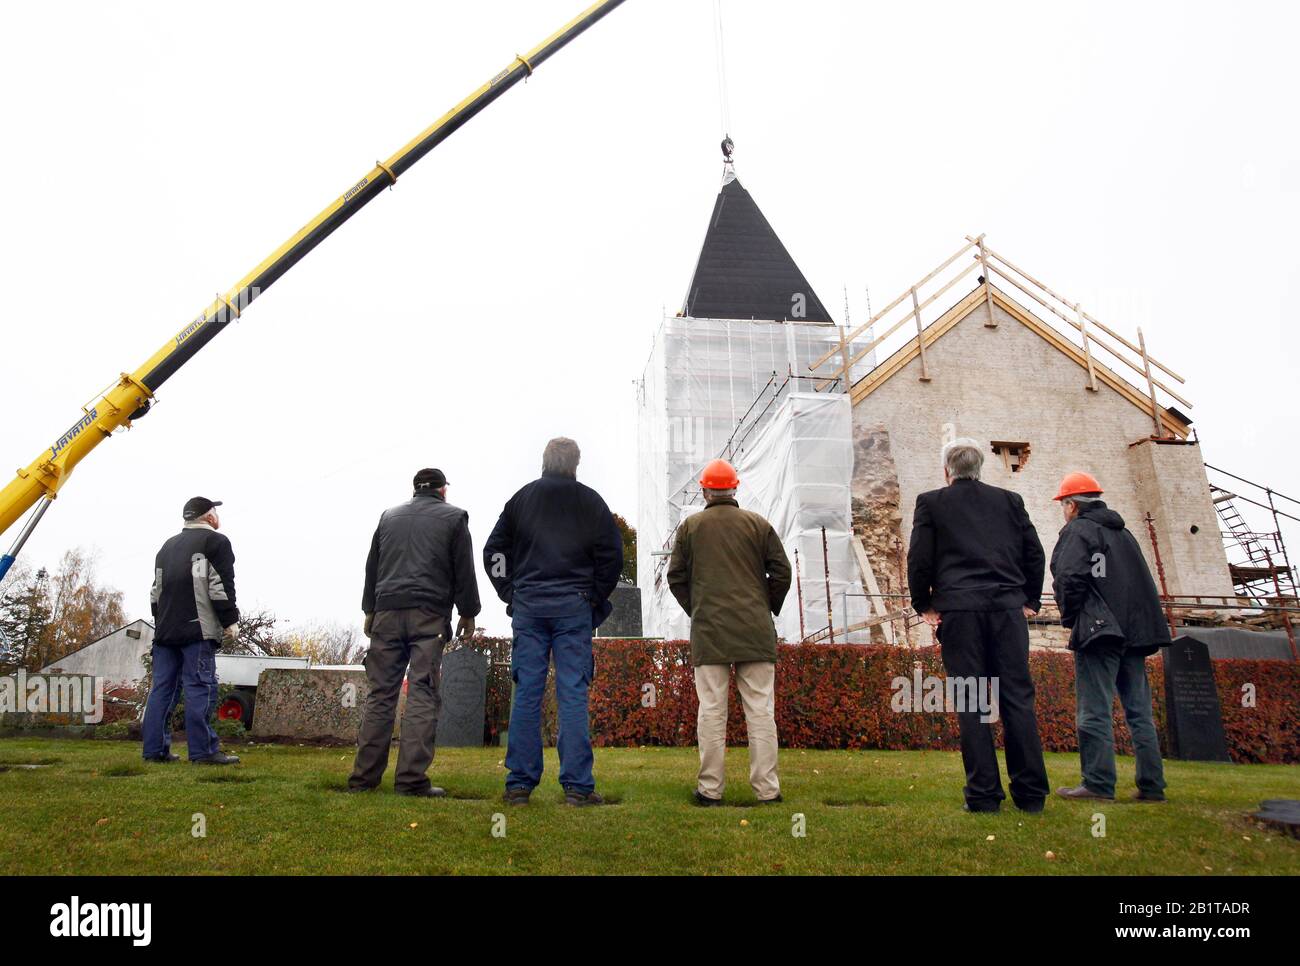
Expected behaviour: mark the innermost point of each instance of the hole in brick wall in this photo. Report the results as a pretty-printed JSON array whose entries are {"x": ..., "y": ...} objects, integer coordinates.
[
  {"x": 1195, "y": 528},
  {"x": 1015, "y": 456}
]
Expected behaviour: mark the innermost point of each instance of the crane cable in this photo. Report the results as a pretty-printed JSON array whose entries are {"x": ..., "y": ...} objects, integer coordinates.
[{"x": 720, "y": 51}]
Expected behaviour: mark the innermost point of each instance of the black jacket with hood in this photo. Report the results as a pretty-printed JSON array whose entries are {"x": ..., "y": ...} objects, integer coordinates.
[{"x": 1103, "y": 585}]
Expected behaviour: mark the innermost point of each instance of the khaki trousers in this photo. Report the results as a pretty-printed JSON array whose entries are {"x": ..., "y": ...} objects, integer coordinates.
[{"x": 755, "y": 680}]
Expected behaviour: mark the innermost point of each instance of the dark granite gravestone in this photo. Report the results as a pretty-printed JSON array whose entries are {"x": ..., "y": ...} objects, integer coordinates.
[
  {"x": 625, "y": 619},
  {"x": 1193, "y": 717},
  {"x": 464, "y": 694}
]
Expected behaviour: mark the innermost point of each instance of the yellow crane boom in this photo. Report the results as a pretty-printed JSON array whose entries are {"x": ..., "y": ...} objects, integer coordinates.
[{"x": 130, "y": 396}]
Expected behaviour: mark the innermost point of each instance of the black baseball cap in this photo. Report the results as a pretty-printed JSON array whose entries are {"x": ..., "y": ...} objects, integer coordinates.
[
  {"x": 431, "y": 479},
  {"x": 196, "y": 506}
]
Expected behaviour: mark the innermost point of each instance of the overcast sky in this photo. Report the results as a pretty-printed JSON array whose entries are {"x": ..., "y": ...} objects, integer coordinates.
[{"x": 1142, "y": 158}]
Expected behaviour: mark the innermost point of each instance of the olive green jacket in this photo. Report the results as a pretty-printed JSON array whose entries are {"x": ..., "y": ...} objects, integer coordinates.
[{"x": 730, "y": 574}]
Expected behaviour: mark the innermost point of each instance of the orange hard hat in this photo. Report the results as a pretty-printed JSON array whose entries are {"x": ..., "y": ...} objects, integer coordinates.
[
  {"x": 1077, "y": 484},
  {"x": 719, "y": 475}
]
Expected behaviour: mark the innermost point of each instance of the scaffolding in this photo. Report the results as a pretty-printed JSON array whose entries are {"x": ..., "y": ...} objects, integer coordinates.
[
  {"x": 711, "y": 388},
  {"x": 1103, "y": 353},
  {"x": 1258, "y": 561}
]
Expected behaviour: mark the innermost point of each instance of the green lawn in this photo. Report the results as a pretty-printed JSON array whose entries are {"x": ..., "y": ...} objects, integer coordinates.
[{"x": 96, "y": 808}]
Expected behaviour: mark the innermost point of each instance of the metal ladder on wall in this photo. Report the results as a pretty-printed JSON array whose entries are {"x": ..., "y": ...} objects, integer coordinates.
[{"x": 1261, "y": 569}]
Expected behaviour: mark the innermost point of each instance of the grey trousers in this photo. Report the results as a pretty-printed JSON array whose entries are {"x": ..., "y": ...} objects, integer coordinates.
[
  {"x": 411, "y": 637},
  {"x": 1102, "y": 670}
]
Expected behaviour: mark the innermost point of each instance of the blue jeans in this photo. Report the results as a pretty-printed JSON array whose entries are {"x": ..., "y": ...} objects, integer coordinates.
[
  {"x": 1102, "y": 670},
  {"x": 193, "y": 667},
  {"x": 561, "y": 627}
]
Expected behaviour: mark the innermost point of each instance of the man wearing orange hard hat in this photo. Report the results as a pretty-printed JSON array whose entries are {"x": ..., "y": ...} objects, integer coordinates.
[
  {"x": 730, "y": 574},
  {"x": 1108, "y": 600}
]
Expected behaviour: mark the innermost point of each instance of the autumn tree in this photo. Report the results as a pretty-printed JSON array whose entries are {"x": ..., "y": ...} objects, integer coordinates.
[
  {"x": 629, "y": 548},
  {"x": 24, "y": 613},
  {"x": 46, "y": 615}
]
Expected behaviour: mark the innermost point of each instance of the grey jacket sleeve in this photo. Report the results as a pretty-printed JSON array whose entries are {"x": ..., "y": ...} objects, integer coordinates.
[
  {"x": 221, "y": 580},
  {"x": 465, "y": 582}
]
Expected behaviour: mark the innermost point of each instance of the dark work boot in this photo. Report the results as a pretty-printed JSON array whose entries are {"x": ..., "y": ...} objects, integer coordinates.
[
  {"x": 582, "y": 799},
  {"x": 433, "y": 791},
  {"x": 220, "y": 758},
  {"x": 516, "y": 796},
  {"x": 1085, "y": 793}
]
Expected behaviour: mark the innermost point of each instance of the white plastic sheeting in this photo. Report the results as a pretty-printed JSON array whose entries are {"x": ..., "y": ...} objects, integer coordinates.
[
  {"x": 798, "y": 471},
  {"x": 721, "y": 387}
]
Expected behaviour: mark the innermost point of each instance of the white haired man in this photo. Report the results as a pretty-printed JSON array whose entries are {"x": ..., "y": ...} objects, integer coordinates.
[
  {"x": 975, "y": 570},
  {"x": 194, "y": 612},
  {"x": 554, "y": 557}
]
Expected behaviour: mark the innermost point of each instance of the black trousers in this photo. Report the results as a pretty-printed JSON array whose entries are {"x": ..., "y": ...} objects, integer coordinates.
[{"x": 995, "y": 644}]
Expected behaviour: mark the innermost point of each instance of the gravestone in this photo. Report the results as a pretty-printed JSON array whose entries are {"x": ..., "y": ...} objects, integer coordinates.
[
  {"x": 316, "y": 704},
  {"x": 625, "y": 619},
  {"x": 1193, "y": 716},
  {"x": 464, "y": 697}
]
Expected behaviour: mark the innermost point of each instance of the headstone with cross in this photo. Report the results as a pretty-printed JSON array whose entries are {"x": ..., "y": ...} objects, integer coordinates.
[{"x": 1193, "y": 715}]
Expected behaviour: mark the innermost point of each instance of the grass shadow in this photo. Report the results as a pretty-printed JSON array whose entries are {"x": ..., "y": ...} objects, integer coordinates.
[
  {"x": 123, "y": 771},
  {"x": 227, "y": 778}
]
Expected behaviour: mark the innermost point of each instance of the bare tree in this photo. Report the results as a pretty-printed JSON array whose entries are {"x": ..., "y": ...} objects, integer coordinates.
[
  {"x": 322, "y": 641},
  {"x": 258, "y": 635},
  {"x": 327, "y": 643}
]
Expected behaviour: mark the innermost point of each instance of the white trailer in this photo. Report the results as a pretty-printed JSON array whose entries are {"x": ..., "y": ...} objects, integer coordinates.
[{"x": 241, "y": 671}]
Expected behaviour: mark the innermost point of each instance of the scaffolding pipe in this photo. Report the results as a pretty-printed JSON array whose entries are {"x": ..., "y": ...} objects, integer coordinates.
[{"x": 830, "y": 613}]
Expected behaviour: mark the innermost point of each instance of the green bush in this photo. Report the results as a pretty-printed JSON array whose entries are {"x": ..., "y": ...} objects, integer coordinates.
[
  {"x": 116, "y": 730},
  {"x": 230, "y": 729}
]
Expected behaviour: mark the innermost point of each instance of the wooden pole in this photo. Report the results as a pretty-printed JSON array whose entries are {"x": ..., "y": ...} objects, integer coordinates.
[
  {"x": 826, "y": 564},
  {"x": 1064, "y": 301},
  {"x": 848, "y": 364},
  {"x": 798, "y": 584},
  {"x": 1087, "y": 348},
  {"x": 890, "y": 307},
  {"x": 1151, "y": 389},
  {"x": 920, "y": 336},
  {"x": 992, "y": 322}
]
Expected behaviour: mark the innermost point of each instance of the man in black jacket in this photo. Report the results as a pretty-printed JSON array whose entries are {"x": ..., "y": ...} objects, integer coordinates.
[
  {"x": 194, "y": 612},
  {"x": 1109, "y": 601},
  {"x": 421, "y": 563},
  {"x": 554, "y": 557},
  {"x": 975, "y": 569}
]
